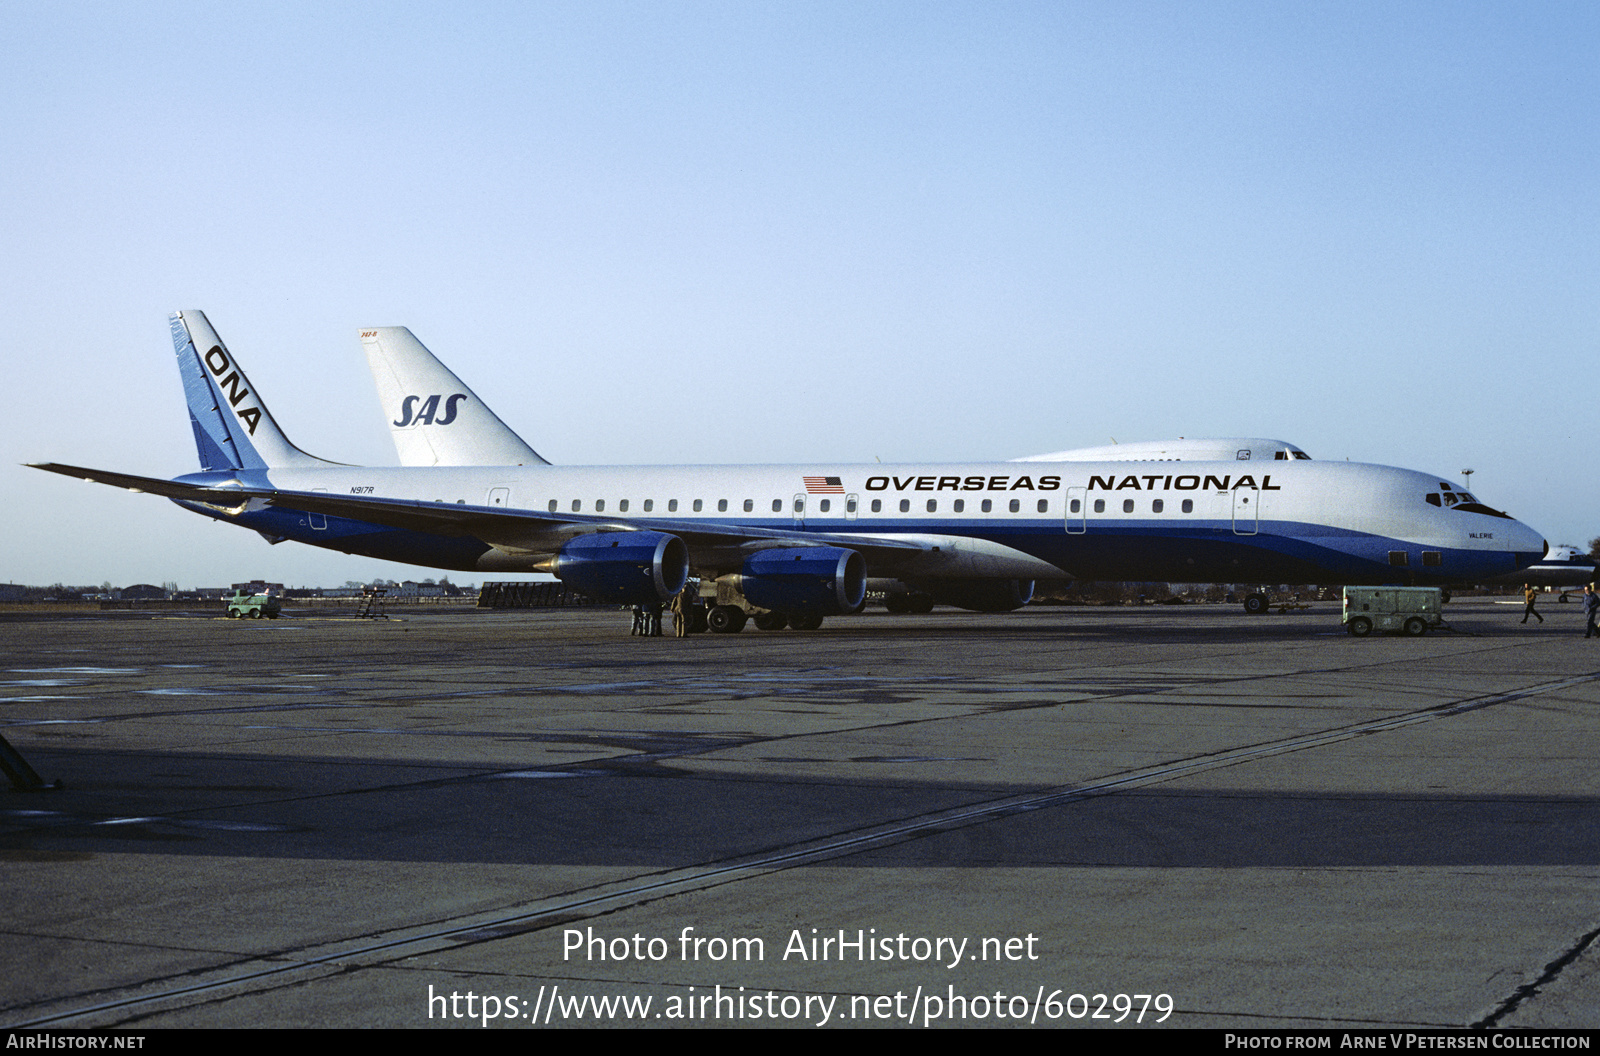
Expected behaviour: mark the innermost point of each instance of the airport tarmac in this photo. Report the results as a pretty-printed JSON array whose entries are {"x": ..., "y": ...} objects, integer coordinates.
[{"x": 1210, "y": 819}]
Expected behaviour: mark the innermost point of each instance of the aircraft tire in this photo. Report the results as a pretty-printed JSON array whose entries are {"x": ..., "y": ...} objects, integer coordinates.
[
  {"x": 770, "y": 621},
  {"x": 725, "y": 619},
  {"x": 805, "y": 622},
  {"x": 1255, "y": 604},
  {"x": 1360, "y": 627},
  {"x": 1416, "y": 627}
]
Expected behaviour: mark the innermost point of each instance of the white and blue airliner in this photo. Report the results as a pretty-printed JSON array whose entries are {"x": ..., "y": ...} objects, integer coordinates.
[{"x": 791, "y": 544}]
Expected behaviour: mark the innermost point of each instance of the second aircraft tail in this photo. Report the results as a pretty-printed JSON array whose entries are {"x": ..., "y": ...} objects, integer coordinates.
[{"x": 434, "y": 418}]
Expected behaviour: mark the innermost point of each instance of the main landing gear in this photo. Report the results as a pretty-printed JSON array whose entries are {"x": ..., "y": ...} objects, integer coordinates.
[{"x": 730, "y": 619}]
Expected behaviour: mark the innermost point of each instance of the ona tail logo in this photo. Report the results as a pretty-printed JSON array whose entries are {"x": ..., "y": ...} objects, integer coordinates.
[
  {"x": 232, "y": 386},
  {"x": 429, "y": 414}
]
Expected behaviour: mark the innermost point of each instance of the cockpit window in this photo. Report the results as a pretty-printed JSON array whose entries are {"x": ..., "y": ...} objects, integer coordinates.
[{"x": 1461, "y": 500}]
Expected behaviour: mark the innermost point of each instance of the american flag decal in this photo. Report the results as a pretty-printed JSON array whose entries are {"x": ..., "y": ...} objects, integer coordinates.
[{"x": 824, "y": 486}]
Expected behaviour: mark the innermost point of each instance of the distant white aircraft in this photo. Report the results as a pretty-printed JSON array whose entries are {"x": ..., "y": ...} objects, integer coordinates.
[
  {"x": 1564, "y": 566},
  {"x": 792, "y": 544},
  {"x": 459, "y": 429},
  {"x": 1200, "y": 449}
]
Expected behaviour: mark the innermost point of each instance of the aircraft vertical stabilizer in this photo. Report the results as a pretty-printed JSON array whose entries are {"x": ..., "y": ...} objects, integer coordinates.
[
  {"x": 434, "y": 418},
  {"x": 232, "y": 427}
]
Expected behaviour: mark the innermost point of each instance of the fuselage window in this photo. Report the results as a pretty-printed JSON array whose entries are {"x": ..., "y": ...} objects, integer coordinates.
[
  {"x": 749, "y": 504},
  {"x": 933, "y": 505},
  {"x": 877, "y": 505},
  {"x": 988, "y": 504},
  {"x": 699, "y": 505},
  {"x": 600, "y": 506},
  {"x": 1434, "y": 500},
  {"x": 1432, "y": 558},
  {"x": 552, "y": 505},
  {"x": 1099, "y": 505},
  {"x": 1397, "y": 558},
  {"x": 1157, "y": 506},
  {"x": 649, "y": 504},
  {"x": 672, "y": 505},
  {"x": 577, "y": 504},
  {"x": 1127, "y": 505},
  {"x": 960, "y": 505},
  {"x": 1077, "y": 507},
  {"x": 1044, "y": 505},
  {"x": 777, "y": 505},
  {"x": 824, "y": 505},
  {"x": 850, "y": 504},
  {"x": 623, "y": 505},
  {"x": 1188, "y": 505},
  {"x": 905, "y": 505},
  {"x": 722, "y": 505},
  {"x": 1016, "y": 505}
]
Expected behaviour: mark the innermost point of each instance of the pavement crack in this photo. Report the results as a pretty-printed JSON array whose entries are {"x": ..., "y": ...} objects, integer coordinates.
[{"x": 1528, "y": 991}]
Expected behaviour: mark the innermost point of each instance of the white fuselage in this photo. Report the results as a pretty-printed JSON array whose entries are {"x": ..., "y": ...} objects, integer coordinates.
[{"x": 1277, "y": 521}]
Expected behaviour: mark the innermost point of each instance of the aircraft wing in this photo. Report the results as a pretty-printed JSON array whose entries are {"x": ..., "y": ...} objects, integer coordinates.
[{"x": 711, "y": 545}]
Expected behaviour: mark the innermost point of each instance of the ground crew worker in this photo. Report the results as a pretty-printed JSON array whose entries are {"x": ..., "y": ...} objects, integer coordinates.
[
  {"x": 682, "y": 604},
  {"x": 1530, "y": 594}
]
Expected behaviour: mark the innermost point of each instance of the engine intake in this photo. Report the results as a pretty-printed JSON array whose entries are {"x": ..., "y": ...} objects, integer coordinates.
[{"x": 629, "y": 568}]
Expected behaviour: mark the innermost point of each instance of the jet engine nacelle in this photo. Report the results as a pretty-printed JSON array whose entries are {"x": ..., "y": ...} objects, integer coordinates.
[
  {"x": 817, "y": 580},
  {"x": 628, "y": 568},
  {"x": 983, "y": 595}
]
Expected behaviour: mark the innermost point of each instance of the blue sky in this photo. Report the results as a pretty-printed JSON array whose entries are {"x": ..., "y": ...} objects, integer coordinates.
[{"x": 831, "y": 232}]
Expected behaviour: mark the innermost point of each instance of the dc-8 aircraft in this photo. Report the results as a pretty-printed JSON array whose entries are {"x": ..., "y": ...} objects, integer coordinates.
[{"x": 792, "y": 544}]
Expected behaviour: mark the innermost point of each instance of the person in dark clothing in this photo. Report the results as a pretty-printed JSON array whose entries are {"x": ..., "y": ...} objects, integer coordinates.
[{"x": 1591, "y": 607}]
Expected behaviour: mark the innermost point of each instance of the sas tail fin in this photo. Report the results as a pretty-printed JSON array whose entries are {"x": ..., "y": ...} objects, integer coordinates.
[
  {"x": 434, "y": 418},
  {"x": 232, "y": 428}
]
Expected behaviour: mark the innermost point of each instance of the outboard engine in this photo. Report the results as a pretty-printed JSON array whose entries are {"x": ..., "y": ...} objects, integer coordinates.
[
  {"x": 815, "y": 580},
  {"x": 983, "y": 595},
  {"x": 628, "y": 568}
]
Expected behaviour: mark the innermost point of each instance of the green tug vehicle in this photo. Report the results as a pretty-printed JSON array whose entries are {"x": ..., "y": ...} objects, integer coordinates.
[{"x": 243, "y": 605}]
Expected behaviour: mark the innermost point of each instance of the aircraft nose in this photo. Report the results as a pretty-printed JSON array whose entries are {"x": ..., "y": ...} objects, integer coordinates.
[{"x": 1528, "y": 546}]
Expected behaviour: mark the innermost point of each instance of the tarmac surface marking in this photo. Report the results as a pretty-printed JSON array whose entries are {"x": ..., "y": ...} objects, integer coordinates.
[{"x": 316, "y": 822}]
